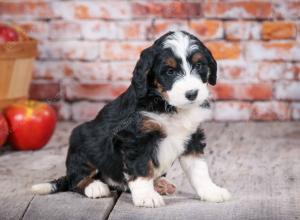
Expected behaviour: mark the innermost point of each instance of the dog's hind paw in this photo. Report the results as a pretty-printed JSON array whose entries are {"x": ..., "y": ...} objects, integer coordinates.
[
  {"x": 164, "y": 187},
  {"x": 96, "y": 189}
]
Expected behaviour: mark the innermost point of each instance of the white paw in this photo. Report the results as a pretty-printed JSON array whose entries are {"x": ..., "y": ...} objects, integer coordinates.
[
  {"x": 214, "y": 194},
  {"x": 96, "y": 189},
  {"x": 150, "y": 200}
]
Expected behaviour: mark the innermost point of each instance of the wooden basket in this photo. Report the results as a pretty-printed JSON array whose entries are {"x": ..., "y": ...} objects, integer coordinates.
[{"x": 16, "y": 64}]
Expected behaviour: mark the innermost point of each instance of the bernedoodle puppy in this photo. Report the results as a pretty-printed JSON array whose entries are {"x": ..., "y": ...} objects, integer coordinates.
[{"x": 135, "y": 139}]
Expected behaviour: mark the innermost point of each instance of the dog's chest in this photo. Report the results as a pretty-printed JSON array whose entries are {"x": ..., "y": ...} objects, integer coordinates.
[{"x": 178, "y": 129}]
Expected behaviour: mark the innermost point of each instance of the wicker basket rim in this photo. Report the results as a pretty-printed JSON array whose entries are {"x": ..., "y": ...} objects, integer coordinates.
[{"x": 18, "y": 49}]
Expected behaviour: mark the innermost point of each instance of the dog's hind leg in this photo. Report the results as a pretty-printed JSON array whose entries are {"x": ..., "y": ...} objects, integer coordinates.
[{"x": 83, "y": 178}]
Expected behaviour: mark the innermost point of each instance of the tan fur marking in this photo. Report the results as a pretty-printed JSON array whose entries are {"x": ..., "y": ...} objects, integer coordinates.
[
  {"x": 86, "y": 181},
  {"x": 170, "y": 61},
  {"x": 150, "y": 170},
  {"x": 196, "y": 58},
  {"x": 194, "y": 154},
  {"x": 160, "y": 89},
  {"x": 149, "y": 125}
]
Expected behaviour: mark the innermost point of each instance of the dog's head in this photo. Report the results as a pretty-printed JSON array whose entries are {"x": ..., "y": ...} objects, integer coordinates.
[{"x": 178, "y": 67}]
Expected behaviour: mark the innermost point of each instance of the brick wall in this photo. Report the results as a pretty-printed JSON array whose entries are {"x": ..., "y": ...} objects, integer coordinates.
[{"x": 88, "y": 50}]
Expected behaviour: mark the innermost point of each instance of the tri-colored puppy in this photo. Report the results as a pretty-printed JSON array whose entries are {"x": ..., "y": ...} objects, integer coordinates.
[{"x": 136, "y": 138}]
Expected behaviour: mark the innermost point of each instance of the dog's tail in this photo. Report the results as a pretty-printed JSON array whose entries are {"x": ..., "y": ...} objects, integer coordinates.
[{"x": 58, "y": 185}]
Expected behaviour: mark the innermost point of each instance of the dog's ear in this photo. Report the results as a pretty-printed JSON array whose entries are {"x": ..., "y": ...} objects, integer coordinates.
[
  {"x": 141, "y": 71},
  {"x": 212, "y": 65}
]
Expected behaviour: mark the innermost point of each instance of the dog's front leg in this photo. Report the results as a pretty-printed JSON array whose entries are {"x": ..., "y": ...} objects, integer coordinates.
[
  {"x": 143, "y": 193},
  {"x": 196, "y": 170}
]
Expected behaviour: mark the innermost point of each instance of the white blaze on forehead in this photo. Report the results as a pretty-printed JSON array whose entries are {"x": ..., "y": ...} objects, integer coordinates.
[{"x": 182, "y": 46}]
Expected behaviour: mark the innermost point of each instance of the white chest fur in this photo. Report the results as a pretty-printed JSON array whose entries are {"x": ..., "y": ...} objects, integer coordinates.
[{"x": 178, "y": 127}]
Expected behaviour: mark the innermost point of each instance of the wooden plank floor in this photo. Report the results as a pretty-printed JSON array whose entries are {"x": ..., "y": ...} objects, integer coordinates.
[{"x": 258, "y": 162}]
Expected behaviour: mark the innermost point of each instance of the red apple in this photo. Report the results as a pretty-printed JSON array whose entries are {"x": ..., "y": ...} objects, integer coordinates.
[
  {"x": 31, "y": 123},
  {"x": 3, "y": 130},
  {"x": 7, "y": 34}
]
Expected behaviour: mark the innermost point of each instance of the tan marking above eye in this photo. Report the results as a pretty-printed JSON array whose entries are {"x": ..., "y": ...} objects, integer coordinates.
[
  {"x": 171, "y": 62},
  {"x": 196, "y": 58}
]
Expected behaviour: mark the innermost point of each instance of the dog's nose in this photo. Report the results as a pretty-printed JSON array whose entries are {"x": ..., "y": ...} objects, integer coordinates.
[{"x": 191, "y": 94}]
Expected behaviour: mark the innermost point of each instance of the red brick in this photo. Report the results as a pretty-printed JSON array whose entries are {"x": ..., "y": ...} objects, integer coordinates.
[
  {"x": 55, "y": 106},
  {"x": 241, "y": 9},
  {"x": 133, "y": 30},
  {"x": 121, "y": 70},
  {"x": 207, "y": 29},
  {"x": 293, "y": 70},
  {"x": 258, "y": 91},
  {"x": 28, "y": 9},
  {"x": 36, "y": 29},
  {"x": 83, "y": 71},
  {"x": 223, "y": 91},
  {"x": 45, "y": 90},
  {"x": 162, "y": 26},
  {"x": 232, "y": 111},
  {"x": 90, "y": 71},
  {"x": 242, "y": 91},
  {"x": 113, "y": 30},
  {"x": 100, "y": 91},
  {"x": 295, "y": 111},
  {"x": 85, "y": 111},
  {"x": 70, "y": 50},
  {"x": 65, "y": 30},
  {"x": 270, "y": 111},
  {"x": 63, "y": 110},
  {"x": 92, "y": 9},
  {"x": 288, "y": 51},
  {"x": 166, "y": 9},
  {"x": 242, "y": 30},
  {"x": 287, "y": 9},
  {"x": 224, "y": 50},
  {"x": 122, "y": 50},
  {"x": 278, "y": 30},
  {"x": 96, "y": 30},
  {"x": 287, "y": 90},
  {"x": 273, "y": 70},
  {"x": 67, "y": 70},
  {"x": 298, "y": 32},
  {"x": 233, "y": 70},
  {"x": 48, "y": 70}
]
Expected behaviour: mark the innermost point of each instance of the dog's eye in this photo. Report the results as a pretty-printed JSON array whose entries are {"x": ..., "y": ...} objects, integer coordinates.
[
  {"x": 170, "y": 72},
  {"x": 199, "y": 65}
]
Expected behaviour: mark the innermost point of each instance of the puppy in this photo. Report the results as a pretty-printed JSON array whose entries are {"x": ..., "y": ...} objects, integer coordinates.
[{"x": 135, "y": 139}]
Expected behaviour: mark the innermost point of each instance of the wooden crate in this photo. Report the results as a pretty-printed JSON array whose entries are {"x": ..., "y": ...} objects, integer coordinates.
[{"x": 16, "y": 64}]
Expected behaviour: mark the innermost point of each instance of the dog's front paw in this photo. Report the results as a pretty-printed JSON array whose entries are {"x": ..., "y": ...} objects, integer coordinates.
[
  {"x": 214, "y": 193},
  {"x": 96, "y": 189},
  {"x": 150, "y": 200}
]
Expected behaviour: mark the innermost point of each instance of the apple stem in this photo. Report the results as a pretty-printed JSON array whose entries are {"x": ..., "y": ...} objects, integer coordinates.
[{"x": 31, "y": 103}]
